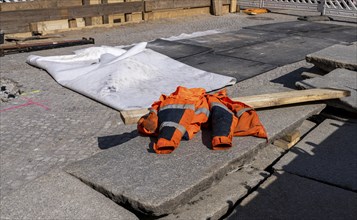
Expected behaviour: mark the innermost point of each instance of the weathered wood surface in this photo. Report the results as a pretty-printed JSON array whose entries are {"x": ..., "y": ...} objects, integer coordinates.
[
  {"x": 38, "y": 4},
  {"x": 263, "y": 101},
  {"x": 217, "y": 7},
  {"x": 18, "y": 21}
]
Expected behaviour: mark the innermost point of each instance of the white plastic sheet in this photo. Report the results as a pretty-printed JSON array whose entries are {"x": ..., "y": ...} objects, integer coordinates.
[{"x": 125, "y": 79}]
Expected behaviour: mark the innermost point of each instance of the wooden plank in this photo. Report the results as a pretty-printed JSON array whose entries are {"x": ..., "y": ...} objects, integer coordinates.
[
  {"x": 285, "y": 144},
  {"x": 292, "y": 97},
  {"x": 28, "y": 5},
  {"x": 17, "y": 21},
  {"x": 39, "y": 4},
  {"x": 172, "y": 4},
  {"x": 291, "y": 136},
  {"x": 263, "y": 101},
  {"x": 174, "y": 13}
]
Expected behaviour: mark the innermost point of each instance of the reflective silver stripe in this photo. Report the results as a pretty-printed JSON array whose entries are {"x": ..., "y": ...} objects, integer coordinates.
[
  {"x": 240, "y": 112},
  {"x": 153, "y": 110},
  {"x": 202, "y": 110},
  {"x": 178, "y": 106},
  {"x": 220, "y": 105},
  {"x": 181, "y": 128}
]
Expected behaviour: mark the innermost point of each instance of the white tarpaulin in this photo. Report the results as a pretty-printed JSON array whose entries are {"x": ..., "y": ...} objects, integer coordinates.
[{"x": 125, "y": 79}]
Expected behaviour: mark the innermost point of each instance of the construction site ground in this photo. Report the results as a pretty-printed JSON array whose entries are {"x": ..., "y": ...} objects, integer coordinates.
[{"x": 52, "y": 137}]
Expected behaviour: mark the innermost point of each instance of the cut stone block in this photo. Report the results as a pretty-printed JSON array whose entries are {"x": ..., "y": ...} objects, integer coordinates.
[
  {"x": 229, "y": 40},
  {"x": 287, "y": 196},
  {"x": 327, "y": 154},
  {"x": 241, "y": 69},
  {"x": 58, "y": 195},
  {"x": 339, "y": 79},
  {"x": 293, "y": 27},
  {"x": 175, "y": 49},
  {"x": 336, "y": 56},
  {"x": 157, "y": 184},
  {"x": 280, "y": 52},
  {"x": 214, "y": 202}
]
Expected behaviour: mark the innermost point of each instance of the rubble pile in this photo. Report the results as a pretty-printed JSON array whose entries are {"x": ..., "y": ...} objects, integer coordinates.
[{"x": 9, "y": 89}]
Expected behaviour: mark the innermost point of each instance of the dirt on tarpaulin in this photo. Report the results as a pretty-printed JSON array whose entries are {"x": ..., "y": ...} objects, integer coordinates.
[{"x": 9, "y": 89}]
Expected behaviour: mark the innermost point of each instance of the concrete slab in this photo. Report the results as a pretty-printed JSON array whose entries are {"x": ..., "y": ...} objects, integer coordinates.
[
  {"x": 229, "y": 40},
  {"x": 336, "y": 56},
  {"x": 339, "y": 79},
  {"x": 241, "y": 69},
  {"x": 293, "y": 27},
  {"x": 287, "y": 196},
  {"x": 59, "y": 195},
  {"x": 175, "y": 49},
  {"x": 279, "y": 52},
  {"x": 157, "y": 184},
  {"x": 341, "y": 34},
  {"x": 327, "y": 154},
  {"x": 214, "y": 202}
]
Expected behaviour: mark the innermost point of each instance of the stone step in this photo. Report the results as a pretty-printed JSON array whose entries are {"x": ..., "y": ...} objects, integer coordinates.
[
  {"x": 328, "y": 154},
  {"x": 338, "y": 79},
  {"x": 335, "y": 56},
  {"x": 214, "y": 202},
  {"x": 157, "y": 184},
  {"x": 287, "y": 196},
  {"x": 58, "y": 195}
]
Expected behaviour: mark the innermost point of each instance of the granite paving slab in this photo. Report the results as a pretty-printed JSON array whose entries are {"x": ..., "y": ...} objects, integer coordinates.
[
  {"x": 339, "y": 79},
  {"x": 333, "y": 57},
  {"x": 328, "y": 154},
  {"x": 156, "y": 184},
  {"x": 287, "y": 196},
  {"x": 241, "y": 69},
  {"x": 280, "y": 52},
  {"x": 341, "y": 33},
  {"x": 175, "y": 49},
  {"x": 214, "y": 202},
  {"x": 229, "y": 40},
  {"x": 293, "y": 27},
  {"x": 58, "y": 195}
]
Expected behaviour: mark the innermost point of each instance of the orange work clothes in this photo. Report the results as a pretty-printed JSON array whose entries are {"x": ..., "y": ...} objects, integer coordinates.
[{"x": 181, "y": 115}]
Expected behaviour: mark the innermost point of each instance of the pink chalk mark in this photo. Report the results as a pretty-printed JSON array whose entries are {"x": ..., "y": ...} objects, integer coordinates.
[{"x": 28, "y": 103}]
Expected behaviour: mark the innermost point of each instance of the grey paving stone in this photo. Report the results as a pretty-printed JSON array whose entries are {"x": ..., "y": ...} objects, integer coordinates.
[
  {"x": 241, "y": 69},
  {"x": 157, "y": 184},
  {"x": 175, "y": 49},
  {"x": 266, "y": 157},
  {"x": 280, "y": 52},
  {"x": 229, "y": 40},
  {"x": 306, "y": 127},
  {"x": 59, "y": 195},
  {"x": 293, "y": 27},
  {"x": 214, "y": 202},
  {"x": 338, "y": 79},
  {"x": 341, "y": 34},
  {"x": 336, "y": 56},
  {"x": 287, "y": 196},
  {"x": 328, "y": 154}
]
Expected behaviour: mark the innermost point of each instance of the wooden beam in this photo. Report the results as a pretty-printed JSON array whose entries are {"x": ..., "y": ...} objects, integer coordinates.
[
  {"x": 16, "y": 21},
  {"x": 262, "y": 101},
  {"x": 172, "y": 4},
  {"x": 217, "y": 7},
  {"x": 233, "y": 6}
]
